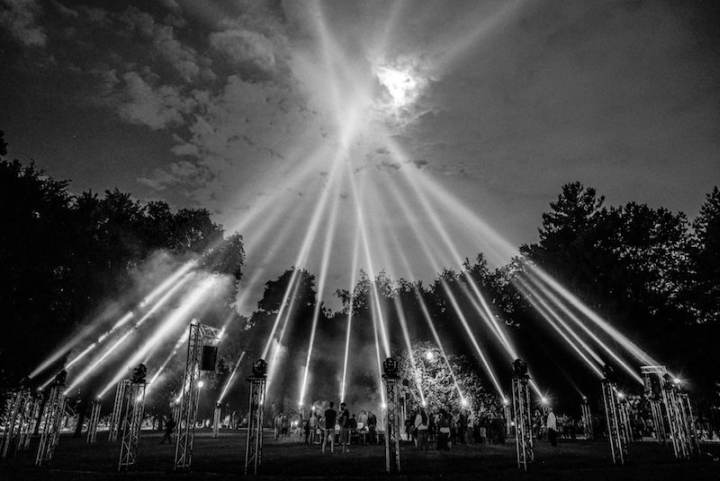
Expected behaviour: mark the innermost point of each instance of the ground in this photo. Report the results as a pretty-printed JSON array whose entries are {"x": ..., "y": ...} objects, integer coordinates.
[{"x": 222, "y": 458}]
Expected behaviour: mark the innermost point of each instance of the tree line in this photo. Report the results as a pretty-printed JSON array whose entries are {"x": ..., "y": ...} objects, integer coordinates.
[{"x": 653, "y": 273}]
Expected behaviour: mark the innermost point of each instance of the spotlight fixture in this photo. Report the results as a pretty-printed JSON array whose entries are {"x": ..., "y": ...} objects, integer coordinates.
[
  {"x": 139, "y": 374},
  {"x": 391, "y": 367},
  {"x": 520, "y": 368},
  {"x": 259, "y": 368}
]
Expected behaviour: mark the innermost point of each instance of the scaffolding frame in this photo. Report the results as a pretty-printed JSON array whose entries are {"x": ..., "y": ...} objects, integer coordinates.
[
  {"x": 392, "y": 419},
  {"x": 93, "y": 421},
  {"x": 15, "y": 410},
  {"x": 114, "y": 426},
  {"x": 199, "y": 335},
  {"x": 131, "y": 424},
  {"x": 672, "y": 411},
  {"x": 254, "y": 441},
  {"x": 522, "y": 416},
  {"x": 50, "y": 425},
  {"x": 587, "y": 419},
  {"x": 32, "y": 418},
  {"x": 617, "y": 435},
  {"x": 652, "y": 381},
  {"x": 217, "y": 414}
]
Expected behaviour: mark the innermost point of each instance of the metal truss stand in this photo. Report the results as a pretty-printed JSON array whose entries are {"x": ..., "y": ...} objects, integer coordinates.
[
  {"x": 93, "y": 421},
  {"x": 14, "y": 414},
  {"x": 30, "y": 420},
  {"x": 615, "y": 424},
  {"x": 652, "y": 379},
  {"x": 50, "y": 423},
  {"x": 393, "y": 428},
  {"x": 677, "y": 420},
  {"x": 217, "y": 414},
  {"x": 689, "y": 421},
  {"x": 507, "y": 410},
  {"x": 254, "y": 442},
  {"x": 522, "y": 415},
  {"x": 131, "y": 423},
  {"x": 198, "y": 336},
  {"x": 671, "y": 410},
  {"x": 587, "y": 419},
  {"x": 114, "y": 426},
  {"x": 624, "y": 411}
]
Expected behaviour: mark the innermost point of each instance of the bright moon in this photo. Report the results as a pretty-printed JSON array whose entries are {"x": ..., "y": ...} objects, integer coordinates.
[{"x": 402, "y": 86}]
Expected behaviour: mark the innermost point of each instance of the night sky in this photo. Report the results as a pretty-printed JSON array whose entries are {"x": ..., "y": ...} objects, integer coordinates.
[{"x": 214, "y": 103}]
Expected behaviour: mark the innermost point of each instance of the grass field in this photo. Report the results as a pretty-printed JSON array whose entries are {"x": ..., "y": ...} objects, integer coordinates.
[{"x": 222, "y": 458}]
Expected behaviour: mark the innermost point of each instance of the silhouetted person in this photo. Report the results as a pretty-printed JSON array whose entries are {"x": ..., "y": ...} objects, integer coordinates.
[
  {"x": 169, "y": 428},
  {"x": 551, "y": 425},
  {"x": 330, "y": 418}
]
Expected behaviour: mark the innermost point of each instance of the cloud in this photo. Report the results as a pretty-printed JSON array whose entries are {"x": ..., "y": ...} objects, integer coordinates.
[
  {"x": 242, "y": 46},
  {"x": 19, "y": 18},
  {"x": 156, "y": 108},
  {"x": 182, "y": 58}
]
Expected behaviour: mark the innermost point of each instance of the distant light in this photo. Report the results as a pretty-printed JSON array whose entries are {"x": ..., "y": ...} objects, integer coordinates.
[
  {"x": 424, "y": 403},
  {"x": 505, "y": 401},
  {"x": 621, "y": 395},
  {"x": 430, "y": 355},
  {"x": 512, "y": 423},
  {"x": 383, "y": 406},
  {"x": 677, "y": 381},
  {"x": 313, "y": 408},
  {"x": 544, "y": 400},
  {"x": 200, "y": 384},
  {"x": 464, "y": 402}
]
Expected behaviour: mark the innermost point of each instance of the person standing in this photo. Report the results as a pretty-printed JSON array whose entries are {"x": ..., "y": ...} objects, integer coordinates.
[
  {"x": 312, "y": 422},
  {"x": 421, "y": 428},
  {"x": 330, "y": 418},
  {"x": 344, "y": 427},
  {"x": 169, "y": 428},
  {"x": 551, "y": 426},
  {"x": 443, "y": 438},
  {"x": 372, "y": 428}
]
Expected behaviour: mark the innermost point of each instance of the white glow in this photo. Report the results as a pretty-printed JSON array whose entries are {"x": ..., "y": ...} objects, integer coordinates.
[
  {"x": 402, "y": 85},
  {"x": 167, "y": 326}
]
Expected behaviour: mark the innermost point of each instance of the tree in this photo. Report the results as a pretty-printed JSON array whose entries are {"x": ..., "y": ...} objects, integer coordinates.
[
  {"x": 704, "y": 253},
  {"x": 442, "y": 382}
]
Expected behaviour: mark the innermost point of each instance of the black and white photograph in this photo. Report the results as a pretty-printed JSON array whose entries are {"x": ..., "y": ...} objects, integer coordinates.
[{"x": 359, "y": 239}]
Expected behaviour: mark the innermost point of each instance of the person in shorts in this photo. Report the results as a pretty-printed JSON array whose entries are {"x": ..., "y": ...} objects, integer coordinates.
[{"x": 330, "y": 418}]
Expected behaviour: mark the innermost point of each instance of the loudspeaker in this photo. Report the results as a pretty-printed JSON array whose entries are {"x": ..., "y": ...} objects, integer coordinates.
[{"x": 209, "y": 358}]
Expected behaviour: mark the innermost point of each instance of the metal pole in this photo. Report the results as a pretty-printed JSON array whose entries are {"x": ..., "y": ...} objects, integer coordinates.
[
  {"x": 117, "y": 409},
  {"x": 216, "y": 420},
  {"x": 51, "y": 421},
  {"x": 93, "y": 421},
  {"x": 254, "y": 441},
  {"x": 522, "y": 415},
  {"x": 392, "y": 419},
  {"x": 132, "y": 421}
]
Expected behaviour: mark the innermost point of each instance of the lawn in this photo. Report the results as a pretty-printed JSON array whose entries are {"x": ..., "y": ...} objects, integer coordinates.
[{"x": 222, "y": 458}]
